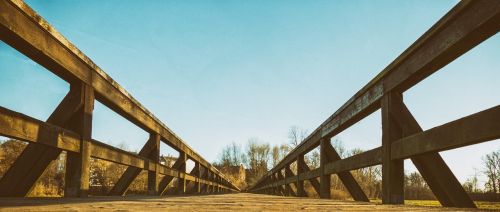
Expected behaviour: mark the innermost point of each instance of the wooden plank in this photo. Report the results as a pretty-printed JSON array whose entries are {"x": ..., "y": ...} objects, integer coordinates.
[
  {"x": 164, "y": 170},
  {"x": 476, "y": 128},
  {"x": 465, "y": 26},
  {"x": 19, "y": 126},
  {"x": 311, "y": 174},
  {"x": 369, "y": 158},
  {"x": 226, "y": 202},
  {"x": 112, "y": 154},
  {"x": 22, "y": 28}
]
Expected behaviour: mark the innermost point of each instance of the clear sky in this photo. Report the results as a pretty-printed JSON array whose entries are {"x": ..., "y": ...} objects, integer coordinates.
[{"x": 222, "y": 71}]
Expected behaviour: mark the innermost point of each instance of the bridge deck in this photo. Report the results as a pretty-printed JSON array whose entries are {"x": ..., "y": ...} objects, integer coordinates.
[{"x": 226, "y": 202}]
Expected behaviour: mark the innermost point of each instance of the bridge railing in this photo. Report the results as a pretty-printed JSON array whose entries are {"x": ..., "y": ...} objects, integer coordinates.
[
  {"x": 466, "y": 25},
  {"x": 70, "y": 125}
]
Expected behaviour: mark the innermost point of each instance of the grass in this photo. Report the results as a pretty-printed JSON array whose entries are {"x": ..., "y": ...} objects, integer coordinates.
[{"x": 434, "y": 203}]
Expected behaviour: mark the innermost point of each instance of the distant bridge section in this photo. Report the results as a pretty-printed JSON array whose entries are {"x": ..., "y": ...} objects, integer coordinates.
[
  {"x": 465, "y": 26},
  {"x": 69, "y": 127}
]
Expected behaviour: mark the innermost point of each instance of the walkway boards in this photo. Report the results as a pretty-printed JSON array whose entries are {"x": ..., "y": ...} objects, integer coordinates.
[{"x": 223, "y": 202}]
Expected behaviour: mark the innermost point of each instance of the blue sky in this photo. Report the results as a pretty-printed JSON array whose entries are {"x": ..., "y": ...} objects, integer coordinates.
[{"x": 222, "y": 71}]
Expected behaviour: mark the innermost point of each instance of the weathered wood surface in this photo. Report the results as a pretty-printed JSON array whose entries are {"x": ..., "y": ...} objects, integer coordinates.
[{"x": 226, "y": 202}]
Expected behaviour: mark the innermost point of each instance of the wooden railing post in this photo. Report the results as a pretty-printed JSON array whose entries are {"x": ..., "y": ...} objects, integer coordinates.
[
  {"x": 288, "y": 188},
  {"x": 289, "y": 173},
  {"x": 181, "y": 182},
  {"x": 324, "y": 178},
  {"x": 154, "y": 156},
  {"x": 392, "y": 170},
  {"x": 210, "y": 178},
  {"x": 78, "y": 164},
  {"x": 301, "y": 164},
  {"x": 204, "y": 187},
  {"x": 198, "y": 183}
]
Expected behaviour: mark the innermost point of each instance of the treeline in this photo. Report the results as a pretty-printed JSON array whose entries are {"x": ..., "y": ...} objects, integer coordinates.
[{"x": 258, "y": 157}]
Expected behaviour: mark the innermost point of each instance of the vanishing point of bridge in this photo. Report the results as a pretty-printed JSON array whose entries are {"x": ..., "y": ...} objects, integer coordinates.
[{"x": 69, "y": 127}]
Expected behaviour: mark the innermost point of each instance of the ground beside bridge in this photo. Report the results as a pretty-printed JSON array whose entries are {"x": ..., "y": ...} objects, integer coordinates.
[{"x": 223, "y": 202}]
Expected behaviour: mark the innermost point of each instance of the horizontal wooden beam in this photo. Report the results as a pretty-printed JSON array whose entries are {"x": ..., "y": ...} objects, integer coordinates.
[
  {"x": 473, "y": 129},
  {"x": 369, "y": 158},
  {"x": 19, "y": 126},
  {"x": 109, "y": 153},
  {"x": 314, "y": 173},
  {"x": 23, "y": 29}
]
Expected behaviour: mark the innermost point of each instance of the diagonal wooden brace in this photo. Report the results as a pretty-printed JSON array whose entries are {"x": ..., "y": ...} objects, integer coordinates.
[
  {"x": 433, "y": 168},
  {"x": 281, "y": 188},
  {"x": 305, "y": 168},
  {"x": 289, "y": 173},
  {"x": 346, "y": 177},
  {"x": 195, "y": 172},
  {"x": 167, "y": 179},
  {"x": 131, "y": 173},
  {"x": 35, "y": 158}
]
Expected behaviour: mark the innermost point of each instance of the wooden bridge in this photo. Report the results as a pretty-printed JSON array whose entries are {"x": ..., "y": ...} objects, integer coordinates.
[{"x": 69, "y": 128}]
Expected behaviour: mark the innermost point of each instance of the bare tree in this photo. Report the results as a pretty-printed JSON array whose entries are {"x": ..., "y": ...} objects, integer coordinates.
[
  {"x": 471, "y": 184},
  {"x": 296, "y": 135},
  {"x": 492, "y": 171},
  {"x": 279, "y": 152},
  {"x": 338, "y": 145},
  {"x": 276, "y": 155},
  {"x": 257, "y": 159}
]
